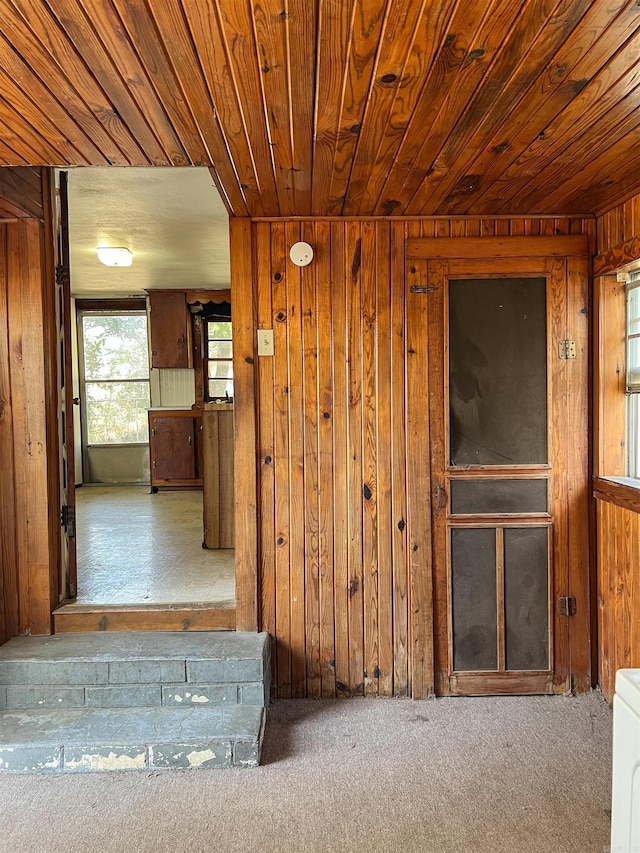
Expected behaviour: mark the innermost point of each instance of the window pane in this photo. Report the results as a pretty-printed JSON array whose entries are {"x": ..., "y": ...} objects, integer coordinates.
[
  {"x": 633, "y": 362},
  {"x": 633, "y": 431},
  {"x": 483, "y": 497},
  {"x": 220, "y": 388},
  {"x": 115, "y": 346},
  {"x": 474, "y": 599},
  {"x": 117, "y": 412},
  {"x": 498, "y": 371},
  {"x": 220, "y": 369},
  {"x": 526, "y": 597},
  {"x": 220, "y": 349},
  {"x": 218, "y": 329}
]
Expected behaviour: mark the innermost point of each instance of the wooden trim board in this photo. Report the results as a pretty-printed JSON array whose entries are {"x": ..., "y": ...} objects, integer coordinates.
[
  {"x": 434, "y": 248},
  {"x": 78, "y": 618}
]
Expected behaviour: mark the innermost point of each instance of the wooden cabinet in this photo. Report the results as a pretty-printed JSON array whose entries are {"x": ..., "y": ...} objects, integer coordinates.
[
  {"x": 170, "y": 329},
  {"x": 175, "y": 448}
]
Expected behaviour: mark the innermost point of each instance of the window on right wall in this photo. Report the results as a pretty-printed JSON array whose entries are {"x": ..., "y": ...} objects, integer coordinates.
[
  {"x": 632, "y": 381},
  {"x": 218, "y": 353}
]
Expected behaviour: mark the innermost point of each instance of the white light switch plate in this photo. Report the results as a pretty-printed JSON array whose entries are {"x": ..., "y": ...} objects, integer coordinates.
[{"x": 265, "y": 341}]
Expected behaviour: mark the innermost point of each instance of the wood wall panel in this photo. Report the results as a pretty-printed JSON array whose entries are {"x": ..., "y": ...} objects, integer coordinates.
[
  {"x": 29, "y": 529},
  {"x": 618, "y": 592},
  {"x": 29, "y": 533},
  {"x": 618, "y": 226},
  {"x": 344, "y": 558},
  {"x": 244, "y": 427}
]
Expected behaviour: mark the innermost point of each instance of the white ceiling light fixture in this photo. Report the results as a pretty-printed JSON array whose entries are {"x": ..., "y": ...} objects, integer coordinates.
[
  {"x": 301, "y": 254},
  {"x": 115, "y": 256}
]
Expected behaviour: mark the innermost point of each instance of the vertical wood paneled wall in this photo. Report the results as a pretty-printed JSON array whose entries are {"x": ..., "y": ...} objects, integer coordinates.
[
  {"x": 618, "y": 526},
  {"x": 28, "y": 524},
  {"x": 338, "y": 588},
  {"x": 618, "y": 591},
  {"x": 618, "y": 225}
]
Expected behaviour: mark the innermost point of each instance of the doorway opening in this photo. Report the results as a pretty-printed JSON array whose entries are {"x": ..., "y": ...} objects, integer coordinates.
[{"x": 144, "y": 443}]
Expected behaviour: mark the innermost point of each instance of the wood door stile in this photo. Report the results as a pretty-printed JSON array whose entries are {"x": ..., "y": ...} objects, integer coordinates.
[
  {"x": 581, "y": 581},
  {"x": 559, "y": 369},
  {"x": 438, "y": 492},
  {"x": 500, "y": 597}
]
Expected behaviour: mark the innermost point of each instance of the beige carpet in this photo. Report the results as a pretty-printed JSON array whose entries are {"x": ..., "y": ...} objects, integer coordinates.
[{"x": 519, "y": 775}]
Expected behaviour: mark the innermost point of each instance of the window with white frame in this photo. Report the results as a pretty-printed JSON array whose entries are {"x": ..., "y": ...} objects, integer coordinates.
[
  {"x": 218, "y": 352},
  {"x": 115, "y": 377}
]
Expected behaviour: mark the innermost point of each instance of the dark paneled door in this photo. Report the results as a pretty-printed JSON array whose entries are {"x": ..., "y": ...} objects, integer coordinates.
[{"x": 499, "y": 512}]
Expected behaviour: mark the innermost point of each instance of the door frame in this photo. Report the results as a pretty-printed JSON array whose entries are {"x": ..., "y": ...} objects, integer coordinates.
[{"x": 573, "y": 250}]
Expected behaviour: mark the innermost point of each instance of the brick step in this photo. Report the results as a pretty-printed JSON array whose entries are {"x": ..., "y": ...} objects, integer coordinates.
[
  {"x": 19, "y": 697},
  {"x": 99, "y": 739},
  {"x": 134, "y": 669}
]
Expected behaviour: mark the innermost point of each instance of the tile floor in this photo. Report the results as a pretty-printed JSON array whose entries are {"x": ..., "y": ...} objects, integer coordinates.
[{"x": 139, "y": 548}]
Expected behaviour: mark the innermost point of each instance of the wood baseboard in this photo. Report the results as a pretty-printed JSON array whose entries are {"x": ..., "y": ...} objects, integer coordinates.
[{"x": 69, "y": 618}]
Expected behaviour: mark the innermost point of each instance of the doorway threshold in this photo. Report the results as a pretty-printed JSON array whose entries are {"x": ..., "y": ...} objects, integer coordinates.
[{"x": 72, "y": 618}]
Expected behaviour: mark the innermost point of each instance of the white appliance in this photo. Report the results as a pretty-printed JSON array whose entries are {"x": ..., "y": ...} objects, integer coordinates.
[{"x": 625, "y": 798}]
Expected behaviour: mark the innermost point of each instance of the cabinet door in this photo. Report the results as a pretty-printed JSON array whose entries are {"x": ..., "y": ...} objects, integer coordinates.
[
  {"x": 170, "y": 330},
  {"x": 174, "y": 448}
]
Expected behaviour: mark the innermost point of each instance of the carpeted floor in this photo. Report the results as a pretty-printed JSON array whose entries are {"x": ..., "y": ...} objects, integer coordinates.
[{"x": 489, "y": 775}]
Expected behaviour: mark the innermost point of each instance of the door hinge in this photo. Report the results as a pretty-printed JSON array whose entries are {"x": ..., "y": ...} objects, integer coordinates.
[
  {"x": 422, "y": 288},
  {"x": 68, "y": 520},
  {"x": 566, "y": 349},
  {"x": 62, "y": 274},
  {"x": 567, "y": 605}
]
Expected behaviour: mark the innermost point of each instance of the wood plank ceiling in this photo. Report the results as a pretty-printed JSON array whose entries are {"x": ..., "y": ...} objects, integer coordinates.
[{"x": 336, "y": 107}]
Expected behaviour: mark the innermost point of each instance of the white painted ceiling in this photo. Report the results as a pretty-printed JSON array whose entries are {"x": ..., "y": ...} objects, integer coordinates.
[{"x": 172, "y": 219}]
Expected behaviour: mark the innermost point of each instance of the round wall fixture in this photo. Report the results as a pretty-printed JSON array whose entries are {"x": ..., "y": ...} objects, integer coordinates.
[{"x": 301, "y": 254}]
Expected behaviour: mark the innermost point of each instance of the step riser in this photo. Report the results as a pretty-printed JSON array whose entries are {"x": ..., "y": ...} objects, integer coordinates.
[
  {"x": 205, "y": 756},
  {"x": 233, "y": 746},
  {"x": 20, "y": 697},
  {"x": 130, "y": 672}
]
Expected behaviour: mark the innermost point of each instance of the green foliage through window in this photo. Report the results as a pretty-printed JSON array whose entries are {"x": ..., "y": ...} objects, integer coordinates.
[{"x": 116, "y": 378}]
